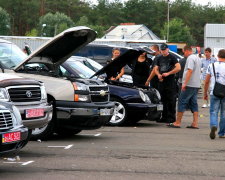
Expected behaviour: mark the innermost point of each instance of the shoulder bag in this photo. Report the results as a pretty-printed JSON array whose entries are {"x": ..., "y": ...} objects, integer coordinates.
[{"x": 219, "y": 89}]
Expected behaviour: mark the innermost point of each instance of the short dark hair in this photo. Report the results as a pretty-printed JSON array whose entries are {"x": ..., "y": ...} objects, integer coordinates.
[
  {"x": 208, "y": 49},
  {"x": 187, "y": 47},
  {"x": 221, "y": 53}
]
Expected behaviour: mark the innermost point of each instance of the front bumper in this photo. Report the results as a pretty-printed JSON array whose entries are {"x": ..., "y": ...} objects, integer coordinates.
[
  {"x": 149, "y": 111},
  {"x": 12, "y": 147},
  {"x": 83, "y": 116},
  {"x": 39, "y": 121}
]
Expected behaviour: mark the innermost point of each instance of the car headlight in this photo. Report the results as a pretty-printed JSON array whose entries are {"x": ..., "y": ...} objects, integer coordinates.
[
  {"x": 43, "y": 92},
  {"x": 81, "y": 92},
  {"x": 4, "y": 95},
  {"x": 16, "y": 116},
  {"x": 158, "y": 94},
  {"x": 147, "y": 99},
  {"x": 144, "y": 96}
]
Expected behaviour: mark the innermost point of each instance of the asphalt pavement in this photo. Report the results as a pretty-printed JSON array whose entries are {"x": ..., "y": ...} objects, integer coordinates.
[{"x": 148, "y": 150}]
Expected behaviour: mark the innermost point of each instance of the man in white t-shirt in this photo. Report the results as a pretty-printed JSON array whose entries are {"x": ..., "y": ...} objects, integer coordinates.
[
  {"x": 216, "y": 103},
  {"x": 189, "y": 90}
]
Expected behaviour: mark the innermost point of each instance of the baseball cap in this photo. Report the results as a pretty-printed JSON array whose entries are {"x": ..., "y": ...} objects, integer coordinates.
[{"x": 163, "y": 46}]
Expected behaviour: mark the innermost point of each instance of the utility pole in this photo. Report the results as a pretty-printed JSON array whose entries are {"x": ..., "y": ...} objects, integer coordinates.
[{"x": 168, "y": 19}]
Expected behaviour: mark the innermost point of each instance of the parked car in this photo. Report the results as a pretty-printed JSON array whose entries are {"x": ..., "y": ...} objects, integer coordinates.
[
  {"x": 78, "y": 104},
  {"x": 13, "y": 133},
  {"x": 95, "y": 66},
  {"x": 99, "y": 52},
  {"x": 132, "y": 103},
  {"x": 28, "y": 95}
]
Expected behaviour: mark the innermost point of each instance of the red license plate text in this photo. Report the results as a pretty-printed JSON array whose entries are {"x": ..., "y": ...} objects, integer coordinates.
[
  {"x": 32, "y": 113},
  {"x": 11, "y": 137}
]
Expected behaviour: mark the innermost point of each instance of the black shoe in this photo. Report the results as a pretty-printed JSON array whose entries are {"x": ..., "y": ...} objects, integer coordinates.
[{"x": 212, "y": 134}]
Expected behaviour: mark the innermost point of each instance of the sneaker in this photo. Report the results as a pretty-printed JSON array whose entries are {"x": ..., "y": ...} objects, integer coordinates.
[
  {"x": 204, "y": 106},
  {"x": 212, "y": 134}
]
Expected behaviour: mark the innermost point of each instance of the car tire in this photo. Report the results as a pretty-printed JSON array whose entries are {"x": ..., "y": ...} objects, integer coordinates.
[
  {"x": 119, "y": 117},
  {"x": 44, "y": 132}
]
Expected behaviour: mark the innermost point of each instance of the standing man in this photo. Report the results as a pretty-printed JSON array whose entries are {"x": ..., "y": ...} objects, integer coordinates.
[
  {"x": 166, "y": 67},
  {"x": 205, "y": 63},
  {"x": 189, "y": 90}
]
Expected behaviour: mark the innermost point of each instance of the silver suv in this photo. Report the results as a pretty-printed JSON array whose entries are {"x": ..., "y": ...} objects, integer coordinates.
[
  {"x": 78, "y": 104},
  {"x": 28, "y": 95},
  {"x": 13, "y": 133}
]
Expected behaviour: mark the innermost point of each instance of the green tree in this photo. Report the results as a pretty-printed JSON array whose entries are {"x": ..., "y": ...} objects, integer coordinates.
[
  {"x": 24, "y": 14},
  {"x": 33, "y": 32},
  {"x": 52, "y": 24},
  {"x": 178, "y": 32},
  {"x": 4, "y": 22},
  {"x": 83, "y": 21}
]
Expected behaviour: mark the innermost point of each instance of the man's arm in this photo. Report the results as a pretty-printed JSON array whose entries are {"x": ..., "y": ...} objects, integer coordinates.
[
  {"x": 152, "y": 74},
  {"x": 206, "y": 86},
  {"x": 173, "y": 71},
  {"x": 157, "y": 73},
  {"x": 188, "y": 77}
]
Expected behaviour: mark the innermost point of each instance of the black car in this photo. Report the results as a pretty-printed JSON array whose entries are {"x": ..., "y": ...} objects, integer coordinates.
[
  {"x": 13, "y": 133},
  {"x": 99, "y": 52},
  {"x": 132, "y": 103}
]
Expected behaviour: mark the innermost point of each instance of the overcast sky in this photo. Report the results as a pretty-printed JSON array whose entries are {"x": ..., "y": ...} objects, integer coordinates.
[{"x": 202, "y": 2}]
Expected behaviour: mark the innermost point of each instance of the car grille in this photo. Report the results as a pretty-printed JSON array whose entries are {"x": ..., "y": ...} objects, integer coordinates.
[
  {"x": 24, "y": 94},
  {"x": 5, "y": 120},
  {"x": 99, "y": 93}
]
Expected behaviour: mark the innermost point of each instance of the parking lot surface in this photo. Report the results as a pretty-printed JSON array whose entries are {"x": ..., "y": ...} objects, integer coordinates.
[{"x": 147, "y": 150}]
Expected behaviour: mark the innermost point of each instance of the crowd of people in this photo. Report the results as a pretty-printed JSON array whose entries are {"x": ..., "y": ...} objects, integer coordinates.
[{"x": 193, "y": 73}]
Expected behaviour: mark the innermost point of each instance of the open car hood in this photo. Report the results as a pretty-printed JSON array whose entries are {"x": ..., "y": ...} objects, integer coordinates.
[
  {"x": 125, "y": 59},
  {"x": 61, "y": 47}
]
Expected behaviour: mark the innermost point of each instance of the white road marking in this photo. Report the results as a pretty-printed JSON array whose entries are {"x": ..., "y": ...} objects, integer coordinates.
[
  {"x": 65, "y": 147},
  {"x": 22, "y": 163},
  {"x": 98, "y": 134},
  {"x": 69, "y": 146},
  {"x": 26, "y": 163}
]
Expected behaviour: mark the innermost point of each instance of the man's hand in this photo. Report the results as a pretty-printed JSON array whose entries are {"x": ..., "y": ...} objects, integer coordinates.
[
  {"x": 160, "y": 77},
  {"x": 147, "y": 83},
  {"x": 165, "y": 74},
  {"x": 183, "y": 88},
  {"x": 206, "y": 96}
]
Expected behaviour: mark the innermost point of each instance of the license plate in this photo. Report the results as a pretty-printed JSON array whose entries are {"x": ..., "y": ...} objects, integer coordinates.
[
  {"x": 104, "y": 112},
  {"x": 32, "y": 113},
  {"x": 159, "y": 107},
  {"x": 11, "y": 137}
]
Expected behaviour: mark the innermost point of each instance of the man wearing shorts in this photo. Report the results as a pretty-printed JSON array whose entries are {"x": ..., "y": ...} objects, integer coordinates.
[{"x": 189, "y": 90}]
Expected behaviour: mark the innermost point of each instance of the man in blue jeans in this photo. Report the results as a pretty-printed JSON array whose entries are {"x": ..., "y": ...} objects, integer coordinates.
[{"x": 189, "y": 90}]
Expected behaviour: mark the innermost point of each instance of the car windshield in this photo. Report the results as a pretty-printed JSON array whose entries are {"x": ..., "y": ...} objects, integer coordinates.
[
  {"x": 82, "y": 70},
  {"x": 10, "y": 55},
  {"x": 95, "y": 65}
]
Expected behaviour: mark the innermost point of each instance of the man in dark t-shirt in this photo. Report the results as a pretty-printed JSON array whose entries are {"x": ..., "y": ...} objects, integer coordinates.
[{"x": 165, "y": 69}]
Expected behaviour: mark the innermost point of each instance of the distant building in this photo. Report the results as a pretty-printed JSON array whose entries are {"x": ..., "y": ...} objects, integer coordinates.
[
  {"x": 130, "y": 31},
  {"x": 214, "y": 37}
]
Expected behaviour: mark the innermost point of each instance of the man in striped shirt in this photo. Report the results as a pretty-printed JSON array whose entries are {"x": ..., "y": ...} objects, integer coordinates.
[{"x": 205, "y": 63}]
